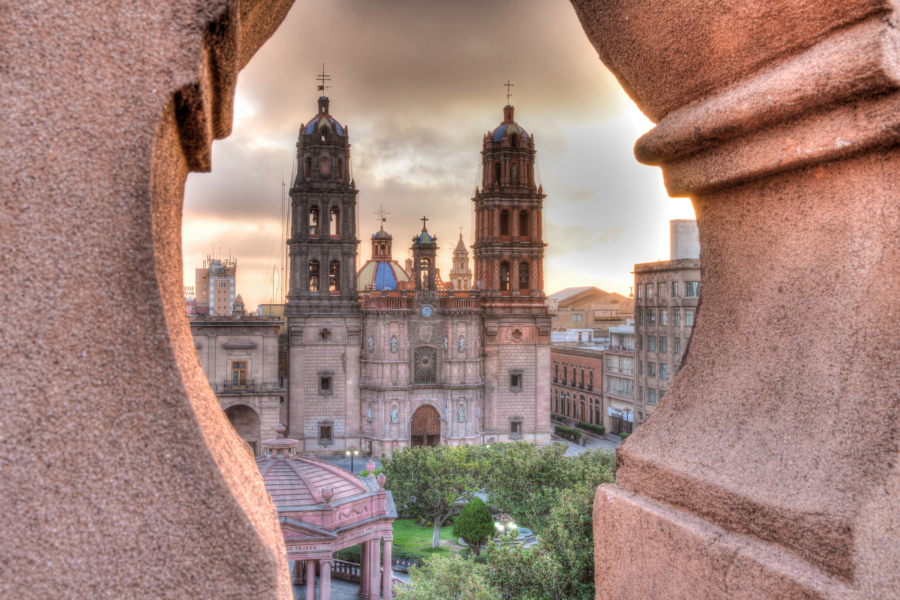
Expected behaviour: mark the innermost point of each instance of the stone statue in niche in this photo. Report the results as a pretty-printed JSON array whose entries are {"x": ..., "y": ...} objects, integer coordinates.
[
  {"x": 461, "y": 414},
  {"x": 446, "y": 415},
  {"x": 446, "y": 342},
  {"x": 393, "y": 344},
  {"x": 371, "y": 343},
  {"x": 479, "y": 412},
  {"x": 369, "y": 413},
  {"x": 462, "y": 344},
  {"x": 395, "y": 415}
]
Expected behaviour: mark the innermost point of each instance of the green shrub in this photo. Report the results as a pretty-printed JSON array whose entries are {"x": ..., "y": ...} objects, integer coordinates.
[
  {"x": 475, "y": 525},
  {"x": 568, "y": 432},
  {"x": 378, "y": 471},
  {"x": 598, "y": 429},
  {"x": 363, "y": 473},
  {"x": 624, "y": 436}
]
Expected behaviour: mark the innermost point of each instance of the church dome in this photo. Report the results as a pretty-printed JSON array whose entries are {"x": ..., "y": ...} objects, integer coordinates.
[
  {"x": 423, "y": 238},
  {"x": 509, "y": 126},
  {"x": 380, "y": 275},
  {"x": 323, "y": 119},
  {"x": 238, "y": 299},
  {"x": 382, "y": 234}
]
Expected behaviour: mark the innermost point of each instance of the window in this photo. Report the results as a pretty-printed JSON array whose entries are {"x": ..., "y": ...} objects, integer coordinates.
[
  {"x": 515, "y": 382},
  {"x": 640, "y": 367},
  {"x": 504, "y": 276},
  {"x": 324, "y": 133},
  {"x": 661, "y": 394},
  {"x": 314, "y": 220},
  {"x": 640, "y": 394},
  {"x": 497, "y": 172},
  {"x": 335, "y": 224},
  {"x": 663, "y": 371},
  {"x": 661, "y": 290},
  {"x": 677, "y": 345},
  {"x": 582, "y": 378},
  {"x": 651, "y": 369},
  {"x": 239, "y": 375},
  {"x": 514, "y": 141},
  {"x": 523, "y": 223},
  {"x": 651, "y": 396},
  {"x": 555, "y": 372},
  {"x": 651, "y": 316},
  {"x": 504, "y": 222},
  {"x": 334, "y": 276},
  {"x": 674, "y": 289},
  {"x": 576, "y": 318},
  {"x": 662, "y": 343},
  {"x": 515, "y": 429},
  {"x": 663, "y": 316},
  {"x": 651, "y": 343},
  {"x": 556, "y": 317},
  {"x": 640, "y": 343},
  {"x": 565, "y": 375},
  {"x": 640, "y": 291},
  {"x": 591, "y": 380},
  {"x": 649, "y": 287},
  {"x": 620, "y": 386},
  {"x": 325, "y": 384},
  {"x": 523, "y": 276},
  {"x": 325, "y": 434},
  {"x": 691, "y": 289},
  {"x": 640, "y": 316},
  {"x": 677, "y": 316},
  {"x": 688, "y": 317},
  {"x": 314, "y": 276}
]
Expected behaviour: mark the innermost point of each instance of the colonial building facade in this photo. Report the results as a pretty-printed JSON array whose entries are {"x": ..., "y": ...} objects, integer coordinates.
[{"x": 386, "y": 357}]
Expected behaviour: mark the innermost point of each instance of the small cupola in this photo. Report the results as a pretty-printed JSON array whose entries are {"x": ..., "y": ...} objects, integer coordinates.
[
  {"x": 323, "y": 105},
  {"x": 508, "y": 111}
]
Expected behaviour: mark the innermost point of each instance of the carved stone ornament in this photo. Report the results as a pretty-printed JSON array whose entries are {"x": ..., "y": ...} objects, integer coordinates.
[
  {"x": 425, "y": 333},
  {"x": 461, "y": 413},
  {"x": 393, "y": 344},
  {"x": 426, "y": 365},
  {"x": 324, "y": 166},
  {"x": 369, "y": 413},
  {"x": 490, "y": 329},
  {"x": 446, "y": 343},
  {"x": 354, "y": 330},
  {"x": 462, "y": 344},
  {"x": 325, "y": 334},
  {"x": 516, "y": 333},
  {"x": 371, "y": 343},
  {"x": 395, "y": 415}
]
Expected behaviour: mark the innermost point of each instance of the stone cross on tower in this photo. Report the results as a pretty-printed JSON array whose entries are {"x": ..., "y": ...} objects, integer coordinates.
[{"x": 508, "y": 91}]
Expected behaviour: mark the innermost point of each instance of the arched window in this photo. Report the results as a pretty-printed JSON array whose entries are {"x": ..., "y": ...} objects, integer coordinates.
[
  {"x": 383, "y": 250},
  {"x": 324, "y": 133},
  {"x": 314, "y": 276},
  {"x": 514, "y": 172},
  {"x": 314, "y": 220},
  {"x": 334, "y": 276},
  {"x": 525, "y": 173},
  {"x": 504, "y": 276},
  {"x": 523, "y": 277},
  {"x": 523, "y": 223},
  {"x": 308, "y": 169},
  {"x": 497, "y": 172},
  {"x": 504, "y": 222},
  {"x": 514, "y": 141},
  {"x": 340, "y": 169},
  {"x": 335, "y": 225},
  {"x": 425, "y": 273}
]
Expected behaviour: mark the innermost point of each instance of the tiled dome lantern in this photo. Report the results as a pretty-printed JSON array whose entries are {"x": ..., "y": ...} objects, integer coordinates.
[{"x": 322, "y": 509}]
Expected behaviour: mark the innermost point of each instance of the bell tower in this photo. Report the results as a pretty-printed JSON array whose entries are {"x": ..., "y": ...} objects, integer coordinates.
[
  {"x": 509, "y": 275},
  {"x": 324, "y": 321},
  {"x": 424, "y": 250}
]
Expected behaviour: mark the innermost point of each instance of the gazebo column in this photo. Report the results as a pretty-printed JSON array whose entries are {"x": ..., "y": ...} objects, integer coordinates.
[
  {"x": 364, "y": 571},
  {"x": 374, "y": 570},
  {"x": 310, "y": 579},
  {"x": 325, "y": 579},
  {"x": 386, "y": 565},
  {"x": 298, "y": 577}
]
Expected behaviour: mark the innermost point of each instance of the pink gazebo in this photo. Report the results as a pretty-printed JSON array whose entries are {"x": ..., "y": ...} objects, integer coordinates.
[{"x": 322, "y": 509}]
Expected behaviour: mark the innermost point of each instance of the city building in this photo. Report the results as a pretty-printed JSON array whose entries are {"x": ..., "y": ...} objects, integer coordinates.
[
  {"x": 461, "y": 273},
  {"x": 383, "y": 358},
  {"x": 240, "y": 356},
  {"x": 666, "y": 297},
  {"x": 618, "y": 380},
  {"x": 215, "y": 286},
  {"x": 576, "y": 373},
  {"x": 589, "y": 308}
]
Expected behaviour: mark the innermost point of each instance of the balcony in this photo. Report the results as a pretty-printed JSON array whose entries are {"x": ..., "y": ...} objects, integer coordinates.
[
  {"x": 622, "y": 370},
  {"x": 251, "y": 385},
  {"x": 386, "y": 303},
  {"x": 459, "y": 304}
]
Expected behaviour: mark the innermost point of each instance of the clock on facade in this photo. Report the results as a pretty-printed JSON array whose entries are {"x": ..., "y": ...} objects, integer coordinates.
[{"x": 427, "y": 311}]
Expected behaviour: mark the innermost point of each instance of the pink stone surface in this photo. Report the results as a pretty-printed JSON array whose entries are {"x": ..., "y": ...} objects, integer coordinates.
[
  {"x": 119, "y": 475},
  {"x": 765, "y": 471}
]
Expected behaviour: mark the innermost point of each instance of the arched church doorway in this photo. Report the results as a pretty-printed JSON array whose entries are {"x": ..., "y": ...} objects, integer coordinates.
[
  {"x": 426, "y": 427},
  {"x": 246, "y": 422}
]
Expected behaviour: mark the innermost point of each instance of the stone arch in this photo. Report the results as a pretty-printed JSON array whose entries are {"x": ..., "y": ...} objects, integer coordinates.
[
  {"x": 246, "y": 423},
  {"x": 425, "y": 426}
]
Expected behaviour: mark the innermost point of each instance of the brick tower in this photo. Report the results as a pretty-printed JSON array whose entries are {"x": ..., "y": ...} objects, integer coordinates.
[
  {"x": 509, "y": 253},
  {"x": 322, "y": 309}
]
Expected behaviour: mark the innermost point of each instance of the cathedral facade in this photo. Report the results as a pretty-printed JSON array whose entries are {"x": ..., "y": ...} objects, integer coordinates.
[{"x": 387, "y": 357}]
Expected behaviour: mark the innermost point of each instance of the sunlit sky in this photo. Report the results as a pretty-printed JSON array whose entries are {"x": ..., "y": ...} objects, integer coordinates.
[{"x": 419, "y": 84}]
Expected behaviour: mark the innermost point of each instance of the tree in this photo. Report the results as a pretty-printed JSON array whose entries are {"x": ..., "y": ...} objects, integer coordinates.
[
  {"x": 520, "y": 574},
  {"x": 452, "y": 578},
  {"x": 429, "y": 483},
  {"x": 475, "y": 525}
]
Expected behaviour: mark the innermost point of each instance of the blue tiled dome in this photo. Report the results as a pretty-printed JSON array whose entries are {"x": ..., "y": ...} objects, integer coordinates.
[
  {"x": 330, "y": 122},
  {"x": 513, "y": 128},
  {"x": 424, "y": 238},
  {"x": 382, "y": 234}
]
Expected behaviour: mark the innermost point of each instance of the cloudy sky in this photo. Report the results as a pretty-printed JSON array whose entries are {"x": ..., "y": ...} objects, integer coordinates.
[{"x": 419, "y": 83}]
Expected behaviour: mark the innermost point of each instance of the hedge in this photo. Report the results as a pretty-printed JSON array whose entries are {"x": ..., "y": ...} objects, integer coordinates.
[
  {"x": 598, "y": 429},
  {"x": 365, "y": 473},
  {"x": 624, "y": 435},
  {"x": 567, "y": 432}
]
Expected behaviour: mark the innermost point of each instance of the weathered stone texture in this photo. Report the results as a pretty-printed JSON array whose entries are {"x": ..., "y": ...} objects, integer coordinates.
[
  {"x": 764, "y": 472},
  {"x": 111, "y": 436}
]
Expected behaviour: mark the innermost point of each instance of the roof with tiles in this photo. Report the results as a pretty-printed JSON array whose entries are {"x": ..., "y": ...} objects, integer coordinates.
[{"x": 298, "y": 482}]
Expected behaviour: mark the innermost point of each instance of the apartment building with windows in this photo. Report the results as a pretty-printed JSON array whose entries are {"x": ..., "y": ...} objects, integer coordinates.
[
  {"x": 214, "y": 287},
  {"x": 589, "y": 308},
  {"x": 575, "y": 376},
  {"x": 666, "y": 297},
  {"x": 618, "y": 380}
]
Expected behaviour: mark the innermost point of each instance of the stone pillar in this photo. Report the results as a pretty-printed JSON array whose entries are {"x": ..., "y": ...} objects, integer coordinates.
[
  {"x": 310, "y": 579},
  {"x": 386, "y": 570},
  {"x": 325, "y": 579},
  {"x": 364, "y": 570},
  {"x": 786, "y": 141},
  {"x": 374, "y": 569}
]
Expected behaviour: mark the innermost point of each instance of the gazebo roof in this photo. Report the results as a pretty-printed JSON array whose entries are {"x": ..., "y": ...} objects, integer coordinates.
[{"x": 298, "y": 482}]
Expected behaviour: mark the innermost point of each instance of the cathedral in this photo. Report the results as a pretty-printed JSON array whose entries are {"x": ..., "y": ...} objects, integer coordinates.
[{"x": 384, "y": 357}]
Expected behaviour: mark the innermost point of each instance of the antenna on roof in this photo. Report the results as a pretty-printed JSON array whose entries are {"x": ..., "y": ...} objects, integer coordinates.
[{"x": 323, "y": 78}]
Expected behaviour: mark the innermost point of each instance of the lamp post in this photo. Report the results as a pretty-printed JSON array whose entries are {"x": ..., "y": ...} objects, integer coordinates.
[{"x": 351, "y": 452}]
